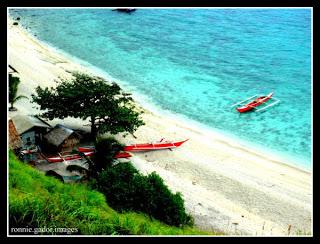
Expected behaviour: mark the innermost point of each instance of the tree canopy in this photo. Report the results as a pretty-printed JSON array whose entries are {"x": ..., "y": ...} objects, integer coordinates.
[
  {"x": 13, "y": 90},
  {"x": 108, "y": 108}
]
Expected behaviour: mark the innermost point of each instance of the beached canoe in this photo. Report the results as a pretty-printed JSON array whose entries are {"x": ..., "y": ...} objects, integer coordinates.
[
  {"x": 61, "y": 159},
  {"x": 89, "y": 151},
  {"x": 255, "y": 103},
  {"x": 30, "y": 151},
  {"x": 123, "y": 155},
  {"x": 88, "y": 154},
  {"x": 68, "y": 157},
  {"x": 154, "y": 146},
  {"x": 86, "y": 149}
]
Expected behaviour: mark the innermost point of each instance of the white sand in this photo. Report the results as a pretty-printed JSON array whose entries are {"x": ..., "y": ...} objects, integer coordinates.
[{"x": 225, "y": 186}]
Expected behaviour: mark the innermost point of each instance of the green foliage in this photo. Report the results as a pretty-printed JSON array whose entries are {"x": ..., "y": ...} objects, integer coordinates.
[
  {"x": 105, "y": 149},
  {"x": 128, "y": 190},
  {"x": 105, "y": 104},
  {"x": 36, "y": 200},
  {"x": 13, "y": 90}
]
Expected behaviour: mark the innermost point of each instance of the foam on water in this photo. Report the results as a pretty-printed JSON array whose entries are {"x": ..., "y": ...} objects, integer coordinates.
[{"x": 196, "y": 63}]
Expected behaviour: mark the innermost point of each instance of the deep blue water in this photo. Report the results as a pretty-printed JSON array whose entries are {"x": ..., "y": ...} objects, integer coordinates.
[{"x": 198, "y": 62}]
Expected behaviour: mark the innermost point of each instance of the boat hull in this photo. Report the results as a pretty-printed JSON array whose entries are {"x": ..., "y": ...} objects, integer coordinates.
[
  {"x": 150, "y": 146},
  {"x": 68, "y": 158},
  {"x": 255, "y": 103},
  {"x": 86, "y": 149},
  {"x": 123, "y": 155}
]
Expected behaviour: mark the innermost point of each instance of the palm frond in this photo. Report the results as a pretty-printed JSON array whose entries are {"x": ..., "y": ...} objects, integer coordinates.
[{"x": 19, "y": 97}]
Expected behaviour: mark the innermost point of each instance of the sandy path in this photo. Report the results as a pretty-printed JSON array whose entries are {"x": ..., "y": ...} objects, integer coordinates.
[{"x": 225, "y": 186}]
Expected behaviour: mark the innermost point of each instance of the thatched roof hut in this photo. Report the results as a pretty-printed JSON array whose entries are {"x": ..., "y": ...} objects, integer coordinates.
[
  {"x": 25, "y": 123},
  {"x": 62, "y": 138},
  {"x": 30, "y": 128}
]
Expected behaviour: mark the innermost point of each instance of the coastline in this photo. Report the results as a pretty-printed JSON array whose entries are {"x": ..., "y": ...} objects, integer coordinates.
[
  {"x": 209, "y": 170},
  {"x": 294, "y": 161}
]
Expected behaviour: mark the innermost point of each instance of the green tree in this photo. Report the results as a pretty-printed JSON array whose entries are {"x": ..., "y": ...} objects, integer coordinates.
[
  {"x": 108, "y": 108},
  {"x": 13, "y": 90}
]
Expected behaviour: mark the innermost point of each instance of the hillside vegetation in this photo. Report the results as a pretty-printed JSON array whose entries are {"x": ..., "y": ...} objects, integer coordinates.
[{"x": 38, "y": 201}]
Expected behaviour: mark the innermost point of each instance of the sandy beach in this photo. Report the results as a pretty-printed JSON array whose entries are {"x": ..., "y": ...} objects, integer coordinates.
[{"x": 225, "y": 186}]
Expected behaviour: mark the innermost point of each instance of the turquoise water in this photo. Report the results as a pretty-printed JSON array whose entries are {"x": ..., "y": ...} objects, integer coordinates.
[{"x": 198, "y": 62}]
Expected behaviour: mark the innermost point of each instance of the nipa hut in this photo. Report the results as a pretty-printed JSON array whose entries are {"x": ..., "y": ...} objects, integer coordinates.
[
  {"x": 30, "y": 129},
  {"x": 61, "y": 138}
]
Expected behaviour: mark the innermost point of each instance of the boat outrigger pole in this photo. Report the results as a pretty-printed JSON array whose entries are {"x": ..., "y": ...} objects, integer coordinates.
[
  {"x": 256, "y": 100},
  {"x": 243, "y": 101},
  {"x": 270, "y": 105}
]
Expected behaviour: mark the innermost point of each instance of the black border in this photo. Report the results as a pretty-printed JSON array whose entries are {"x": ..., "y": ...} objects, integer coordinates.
[
  {"x": 163, "y": 3},
  {"x": 3, "y": 115}
]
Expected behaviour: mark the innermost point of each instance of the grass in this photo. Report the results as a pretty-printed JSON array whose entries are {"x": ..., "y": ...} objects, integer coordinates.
[{"x": 39, "y": 201}]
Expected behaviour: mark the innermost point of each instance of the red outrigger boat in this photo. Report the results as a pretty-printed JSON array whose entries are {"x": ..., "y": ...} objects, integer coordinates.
[
  {"x": 86, "y": 149},
  {"x": 154, "y": 146},
  {"x": 68, "y": 157},
  {"x": 137, "y": 147},
  {"x": 258, "y": 100},
  {"x": 123, "y": 155},
  {"x": 29, "y": 151}
]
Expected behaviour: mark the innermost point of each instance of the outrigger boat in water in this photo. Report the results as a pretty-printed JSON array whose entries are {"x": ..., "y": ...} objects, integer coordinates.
[
  {"x": 154, "y": 146},
  {"x": 258, "y": 100}
]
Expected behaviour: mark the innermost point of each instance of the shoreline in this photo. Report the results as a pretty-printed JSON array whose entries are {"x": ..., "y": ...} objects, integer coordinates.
[
  {"x": 195, "y": 159},
  {"x": 225, "y": 137}
]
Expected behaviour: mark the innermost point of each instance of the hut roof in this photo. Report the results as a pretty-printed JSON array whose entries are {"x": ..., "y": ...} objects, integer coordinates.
[
  {"x": 59, "y": 134},
  {"x": 23, "y": 123},
  {"x": 14, "y": 138}
]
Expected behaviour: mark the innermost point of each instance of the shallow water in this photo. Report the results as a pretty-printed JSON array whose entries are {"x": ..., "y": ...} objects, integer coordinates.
[{"x": 198, "y": 62}]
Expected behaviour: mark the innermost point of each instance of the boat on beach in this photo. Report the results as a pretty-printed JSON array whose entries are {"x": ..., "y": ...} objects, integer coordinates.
[
  {"x": 122, "y": 155},
  {"x": 29, "y": 151},
  {"x": 69, "y": 157},
  {"x": 91, "y": 149},
  {"x": 258, "y": 100},
  {"x": 154, "y": 146},
  {"x": 86, "y": 149},
  {"x": 138, "y": 147}
]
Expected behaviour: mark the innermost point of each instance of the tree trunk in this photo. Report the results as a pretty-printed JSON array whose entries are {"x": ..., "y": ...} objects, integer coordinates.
[
  {"x": 11, "y": 108},
  {"x": 93, "y": 129}
]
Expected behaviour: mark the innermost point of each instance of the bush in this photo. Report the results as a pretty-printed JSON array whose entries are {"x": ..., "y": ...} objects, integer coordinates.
[
  {"x": 127, "y": 190},
  {"x": 163, "y": 204},
  {"x": 105, "y": 148}
]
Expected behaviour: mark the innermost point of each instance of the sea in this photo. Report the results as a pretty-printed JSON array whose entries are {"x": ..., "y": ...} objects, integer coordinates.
[{"x": 195, "y": 63}]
